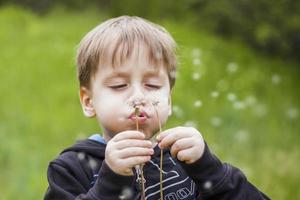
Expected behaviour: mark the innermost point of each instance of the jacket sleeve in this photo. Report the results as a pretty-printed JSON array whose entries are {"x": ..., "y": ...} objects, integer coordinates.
[
  {"x": 220, "y": 181},
  {"x": 65, "y": 183}
]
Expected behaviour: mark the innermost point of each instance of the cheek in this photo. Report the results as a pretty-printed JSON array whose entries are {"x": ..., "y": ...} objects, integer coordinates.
[{"x": 105, "y": 105}]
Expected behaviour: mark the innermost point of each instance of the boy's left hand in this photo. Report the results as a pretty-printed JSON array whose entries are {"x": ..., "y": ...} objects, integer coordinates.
[{"x": 185, "y": 143}]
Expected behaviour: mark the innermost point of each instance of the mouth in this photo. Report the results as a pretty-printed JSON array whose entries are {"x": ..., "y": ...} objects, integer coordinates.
[{"x": 141, "y": 118}]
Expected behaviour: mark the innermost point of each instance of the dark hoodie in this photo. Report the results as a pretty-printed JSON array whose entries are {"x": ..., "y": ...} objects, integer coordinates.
[{"x": 80, "y": 172}]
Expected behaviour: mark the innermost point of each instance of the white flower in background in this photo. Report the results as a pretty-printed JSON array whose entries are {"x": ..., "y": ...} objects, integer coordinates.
[
  {"x": 214, "y": 94},
  {"x": 292, "y": 113},
  {"x": 276, "y": 79},
  {"x": 239, "y": 105},
  {"x": 196, "y": 76},
  {"x": 190, "y": 124},
  {"x": 216, "y": 121},
  {"x": 198, "y": 103},
  {"x": 177, "y": 111},
  {"x": 231, "y": 96},
  {"x": 232, "y": 67}
]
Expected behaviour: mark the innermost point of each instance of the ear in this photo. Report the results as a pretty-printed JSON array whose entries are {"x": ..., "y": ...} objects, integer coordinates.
[
  {"x": 170, "y": 105},
  {"x": 85, "y": 96}
]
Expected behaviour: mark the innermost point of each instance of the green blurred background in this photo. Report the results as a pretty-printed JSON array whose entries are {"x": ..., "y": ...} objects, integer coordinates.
[{"x": 237, "y": 83}]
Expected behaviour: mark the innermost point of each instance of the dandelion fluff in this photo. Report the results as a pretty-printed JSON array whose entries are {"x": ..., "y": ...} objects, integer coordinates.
[
  {"x": 207, "y": 185},
  {"x": 196, "y": 76},
  {"x": 216, "y": 121},
  {"x": 198, "y": 103},
  {"x": 232, "y": 67},
  {"x": 214, "y": 94},
  {"x": 231, "y": 96},
  {"x": 196, "y": 61}
]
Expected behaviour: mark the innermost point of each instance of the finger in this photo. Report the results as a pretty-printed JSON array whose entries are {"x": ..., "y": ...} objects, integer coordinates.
[
  {"x": 165, "y": 133},
  {"x": 130, "y": 162},
  {"x": 176, "y": 134},
  {"x": 133, "y": 143},
  {"x": 128, "y": 135},
  {"x": 135, "y": 151},
  {"x": 180, "y": 145},
  {"x": 187, "y": 155}
]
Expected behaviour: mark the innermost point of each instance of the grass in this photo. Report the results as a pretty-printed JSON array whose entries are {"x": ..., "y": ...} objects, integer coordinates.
[{"x": 245, "y": 105}]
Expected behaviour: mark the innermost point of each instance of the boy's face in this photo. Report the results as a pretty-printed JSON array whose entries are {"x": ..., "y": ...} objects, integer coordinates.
[{"x": 116, "y": 91}]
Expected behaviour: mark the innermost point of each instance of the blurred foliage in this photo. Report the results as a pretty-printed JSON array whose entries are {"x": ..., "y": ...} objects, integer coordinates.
[
  {"x": 273, "y": 27},
  {"x": 246, "y": 105}
]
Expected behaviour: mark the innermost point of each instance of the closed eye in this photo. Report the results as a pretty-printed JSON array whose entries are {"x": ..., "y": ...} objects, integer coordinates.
[
  {"x": 152, "y": 86},
  {"x": 118, "y": 87}
]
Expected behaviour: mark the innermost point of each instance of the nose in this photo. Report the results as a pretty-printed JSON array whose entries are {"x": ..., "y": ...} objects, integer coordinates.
[{"x": 137, "y": 97}]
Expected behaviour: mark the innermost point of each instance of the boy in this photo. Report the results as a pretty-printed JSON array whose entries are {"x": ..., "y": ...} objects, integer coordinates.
[{"x": 126, "y": 69}]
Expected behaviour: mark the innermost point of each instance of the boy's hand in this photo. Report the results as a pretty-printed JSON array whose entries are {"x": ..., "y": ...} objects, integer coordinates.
[
  {"x": 185, "y": 143},
  {"x": 126, "y": 150}
]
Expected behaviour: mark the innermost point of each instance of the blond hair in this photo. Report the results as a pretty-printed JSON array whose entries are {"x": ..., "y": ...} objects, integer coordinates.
[{"x": 113, "y": 41}]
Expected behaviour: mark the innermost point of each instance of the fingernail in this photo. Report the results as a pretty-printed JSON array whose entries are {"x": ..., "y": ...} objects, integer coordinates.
[
  {"x": 159, "y": 145},
  {"x": 158, "y": 137},
  {"x": 151, "y": 151}
]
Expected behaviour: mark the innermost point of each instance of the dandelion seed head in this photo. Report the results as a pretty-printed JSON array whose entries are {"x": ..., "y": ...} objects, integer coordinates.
[
  {"x": 207, "y": 185},
  {"x": 198, "y": 103},
  {"x": 232, "y": 67},
  {"x": 155, "y": 103},
  {"x": 216, "y": 121}
]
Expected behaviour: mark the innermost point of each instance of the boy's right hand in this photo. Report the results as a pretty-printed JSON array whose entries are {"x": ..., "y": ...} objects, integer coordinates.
[{"x": 126, "y": 150}]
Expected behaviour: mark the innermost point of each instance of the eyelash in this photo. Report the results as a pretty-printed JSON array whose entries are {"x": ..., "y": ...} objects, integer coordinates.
[
  {"x": 153, "y": 86},
  {"x": 122, "y": 86},
  {"x": 118, "y": 87}
]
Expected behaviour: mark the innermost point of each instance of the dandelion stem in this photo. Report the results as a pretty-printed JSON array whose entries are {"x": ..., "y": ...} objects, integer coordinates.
[
  {"x": 161, "y": 156},
  {"x": 139, "y": 168}
]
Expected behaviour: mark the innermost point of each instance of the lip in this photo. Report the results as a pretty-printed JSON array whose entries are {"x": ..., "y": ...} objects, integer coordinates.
[{"x": 142, "y": 118}]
